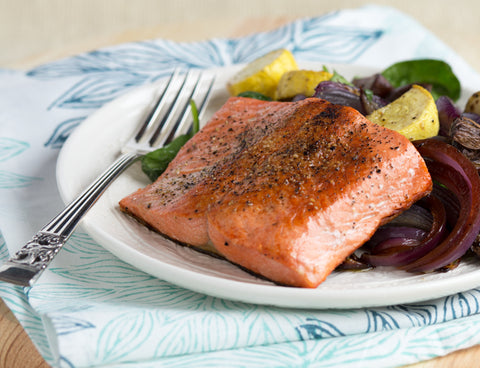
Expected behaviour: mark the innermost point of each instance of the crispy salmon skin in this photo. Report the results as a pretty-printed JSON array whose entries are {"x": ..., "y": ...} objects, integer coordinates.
[{"x": 285, "y": 189}]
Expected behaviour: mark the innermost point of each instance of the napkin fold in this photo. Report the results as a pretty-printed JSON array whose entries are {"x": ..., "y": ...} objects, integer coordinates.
[{"x": 90, "y": 309}]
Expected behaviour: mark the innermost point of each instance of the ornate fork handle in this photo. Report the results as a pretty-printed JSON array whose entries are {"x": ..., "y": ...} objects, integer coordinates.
[
  {"x": 28, "y": 263},
  {"x": 159, "y": 128}
]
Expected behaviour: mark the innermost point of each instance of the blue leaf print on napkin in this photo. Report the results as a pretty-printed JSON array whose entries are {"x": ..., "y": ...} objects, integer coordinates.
[
  {"x": 123, "y": 336},
  {"x": 462, "y": 305},
  {"x": 318, "y": 329},
  {"x": 94, "y": 91},
  {"x": 65, "y": 324},
  {"x": 159, "y": 294},
  {"x": 83, "y": 246},
  {"x": 44, "y": 293},
  {"x": 378, "y": 320},
  {"x": 310, "y": 39},
  {"x": 3, "y": 249},
  {"x": 120, "y": 60},
  {"x": 347, "y": 350},
  {"x": 106, "y": 74},
  {"x": 62, "y": 131},
  {"x": 337, "y": 45},
  {"x": 65, "y": 363},
  {"x": 10, "y": 148},
  {"x": 103, "y": 271},
  {"x": 9, "y": 180},
  {"x": 163, "y": 56},
  {"x": 316, "y": 39},
  {"x": 417, "y": 314},
  {"x": 313, "y": 36},
  {"x": 252, "y": 47},
  {"x": 444, "y": 337},
  {"x": 202, "y": 332}
]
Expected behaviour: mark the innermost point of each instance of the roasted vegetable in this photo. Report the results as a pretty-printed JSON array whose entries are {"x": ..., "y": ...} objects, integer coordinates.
[
  {"x": 466, "y": 132},
  {"x": 376, "y": 83},
  {"x": 456, "y": 181},
  {"x": 414, "y": 114},
  {"x": 473, "y": 104},
  {"x": 348, "y": 95},
  {"x": 263, "y": 74},
  {"x": 300, "y": 82},
  {"x": 447, "y": 113},
  {"x": 465, "y": 136}
]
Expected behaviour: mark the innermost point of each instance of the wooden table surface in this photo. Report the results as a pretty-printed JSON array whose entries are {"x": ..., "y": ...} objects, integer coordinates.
[{"x": 16, "y": 349}]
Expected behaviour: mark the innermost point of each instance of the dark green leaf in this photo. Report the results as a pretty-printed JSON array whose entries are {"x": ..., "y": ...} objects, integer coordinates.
[
  {"x": 154, "y": 163},
  {"x": 255, "y": 95},
  {"x": 437, "y": 73}
]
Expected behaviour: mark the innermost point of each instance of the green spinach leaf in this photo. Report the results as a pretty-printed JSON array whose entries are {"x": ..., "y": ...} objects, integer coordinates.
[
  {"x": 255, "y": 95},
  {"x": 154, "y": 163},
  {"x": 437, "y": 73}
]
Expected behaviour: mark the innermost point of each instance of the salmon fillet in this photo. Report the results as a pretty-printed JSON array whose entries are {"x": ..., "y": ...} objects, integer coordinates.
[
  {"x": 175, "y": 204},
  {"x": 285, "y": 189}
]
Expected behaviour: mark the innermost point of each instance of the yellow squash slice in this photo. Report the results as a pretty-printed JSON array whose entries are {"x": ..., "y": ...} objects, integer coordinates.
[
  {"x": 414, "y": 114},
  {"x": 300, "y": 82},
  {"x": 263, "y": 74}
]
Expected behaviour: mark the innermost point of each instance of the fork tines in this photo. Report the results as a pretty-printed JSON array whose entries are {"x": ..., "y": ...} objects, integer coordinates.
[{"x": 172, "y": 115}]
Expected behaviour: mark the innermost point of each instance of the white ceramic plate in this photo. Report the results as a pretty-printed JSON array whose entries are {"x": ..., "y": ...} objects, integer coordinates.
[{"x": 96, "y": 143}]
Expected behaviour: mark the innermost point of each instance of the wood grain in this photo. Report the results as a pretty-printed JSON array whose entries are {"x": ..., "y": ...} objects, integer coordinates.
[{"x": 16, "y": 349}]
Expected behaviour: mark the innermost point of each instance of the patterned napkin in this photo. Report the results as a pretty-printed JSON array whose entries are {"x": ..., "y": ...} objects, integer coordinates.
[{"x": 118, "y": 316}]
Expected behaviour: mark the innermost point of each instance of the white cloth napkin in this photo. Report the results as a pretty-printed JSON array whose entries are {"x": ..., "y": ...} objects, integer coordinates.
[{"x": 91, "y": 309}]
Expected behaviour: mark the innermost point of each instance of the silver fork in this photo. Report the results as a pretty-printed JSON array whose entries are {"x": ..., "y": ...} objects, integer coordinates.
[{"x": 170, "y": 117}]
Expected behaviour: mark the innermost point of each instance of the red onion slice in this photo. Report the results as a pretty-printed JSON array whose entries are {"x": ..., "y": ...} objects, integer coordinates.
[
  {"x": 452, "y": 169},
  {"x": 405, "y": 247},
  {"x": 447, "y": 113}
]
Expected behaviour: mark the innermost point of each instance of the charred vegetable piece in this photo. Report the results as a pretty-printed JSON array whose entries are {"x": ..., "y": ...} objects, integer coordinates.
[
  {"x": 377, "y": 83},
  {"x": 465, "y": 136},
  {"x": 348, "y": 95},
  {"x": 466, "y": 132},
  {"x": 354, "y": 263},
  {"x": 447, "y": 113},
  {"x": 473, "y": 104}
]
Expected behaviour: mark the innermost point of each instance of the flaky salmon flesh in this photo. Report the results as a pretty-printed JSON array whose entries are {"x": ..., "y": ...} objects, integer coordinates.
[{"x": 286, "y": 190}]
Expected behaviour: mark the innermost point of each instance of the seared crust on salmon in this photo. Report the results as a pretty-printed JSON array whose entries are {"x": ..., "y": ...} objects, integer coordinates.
[{"x": 285, "y": 189}]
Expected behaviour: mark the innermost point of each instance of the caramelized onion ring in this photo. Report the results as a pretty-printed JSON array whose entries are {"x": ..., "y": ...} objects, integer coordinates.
[
  {"x": 452, "y": 169},
  {"x": 406, "y": 245}
]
